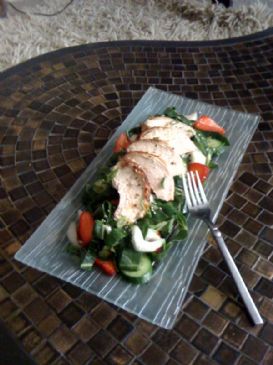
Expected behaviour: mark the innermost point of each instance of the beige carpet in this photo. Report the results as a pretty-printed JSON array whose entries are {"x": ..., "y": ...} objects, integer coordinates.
[{"x": 25, "y": 36}]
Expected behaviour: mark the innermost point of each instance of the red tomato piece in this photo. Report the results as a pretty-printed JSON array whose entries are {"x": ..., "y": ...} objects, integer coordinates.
[
  {"x": 203, "y": 170},
  {"x": 107, "y": 267},
  {"x": 205, "y": 123},
  {"x": 85, "y": 228},
  {"x": 121, "y": 143}
]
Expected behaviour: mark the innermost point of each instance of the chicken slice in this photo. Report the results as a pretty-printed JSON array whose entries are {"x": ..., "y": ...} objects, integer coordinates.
[
  {"x": 167, "y": 154},
  {"x": 176, "y": 138},
  {"x": 134, "y": 192},
  {"x": 158, "y": 176},
  {"x": 163, "y": 121}
]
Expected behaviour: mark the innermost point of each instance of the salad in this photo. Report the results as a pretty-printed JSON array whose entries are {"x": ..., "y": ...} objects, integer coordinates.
[{"x": 134, "y": 211}]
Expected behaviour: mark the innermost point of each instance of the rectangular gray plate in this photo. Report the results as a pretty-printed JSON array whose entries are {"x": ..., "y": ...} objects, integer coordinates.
[{"x": 159, "y": 300}]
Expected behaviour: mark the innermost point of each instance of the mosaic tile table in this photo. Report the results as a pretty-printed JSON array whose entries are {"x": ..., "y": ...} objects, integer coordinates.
[{"x": 56, "y": 112}]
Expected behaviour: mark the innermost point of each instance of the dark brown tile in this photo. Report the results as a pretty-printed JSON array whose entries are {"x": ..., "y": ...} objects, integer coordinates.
[
  {"x": 49, "y": 324},
  {"x": 120, "y": 328},
  {"x": 266, "y": 333},
  {"x": 102, "y": 343},
  {"x": 71, "y": 315},
  {"x": 13, "y": 282},
  {"x": 154, "y": 355},
  {"x": 45, "y": 356},
  {"x": 119, "y": 356},
  {"x": 205, "y": 341},
  {"x": 247, "y": 257},
  {"x": 37, "y": 310},
  {"x": 103, "y": 314},
  {"x": 46, "y": 285},
  {"x": 213, "y": 275},
  {"x": 30, "y": 340},
  {"x": 254, "y": 348},
  {"x": 18, "y": 323},
  {"x": 7, "y": 307},
  {"x": 234, "y": 335},
  {"x": 165, "y": 339},
  {"x": 225, "y": 354},
  {"x": 85, "y": 328},
  {"x": 80, "y": 354},
  {"x": 136, "y": 342},
  {"x": 184, "y": 353},
  {"x": 196, "y": 309},
  {"x": 215, "y": 322},
  {"x": 62, "y": 339},
  {"x": 263, "y": 248},
  {"x": 267, "y": 234},
  {"x": 245, "y": 361},
  {"x": 266, "y": 217},
  {"x": 24, "y": 295},
  {"x": 59, "y": 300}
]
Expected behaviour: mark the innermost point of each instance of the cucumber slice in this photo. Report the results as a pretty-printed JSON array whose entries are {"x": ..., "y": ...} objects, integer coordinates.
[{"x": 142, "y": 274}]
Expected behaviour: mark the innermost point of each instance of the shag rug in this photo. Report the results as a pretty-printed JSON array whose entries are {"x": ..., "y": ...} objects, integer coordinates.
[{"x": 23, "y": 36}]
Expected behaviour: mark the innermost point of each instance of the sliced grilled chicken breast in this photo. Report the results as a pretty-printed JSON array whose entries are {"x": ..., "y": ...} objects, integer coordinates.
[
  {"x": 159, "y": 148},
  {"x": 134, "y": 191},
  {"x": 174, "y": 137},
  {"x": 162, "y": 121},
  {"x": 158, "y": 176}
]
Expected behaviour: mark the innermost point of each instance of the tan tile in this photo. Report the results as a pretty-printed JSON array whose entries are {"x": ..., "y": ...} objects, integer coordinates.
[
  {"x": 266, "y": 309},
  {"x": 265, "y": 268},
  {"x": 213, "y": 297}
]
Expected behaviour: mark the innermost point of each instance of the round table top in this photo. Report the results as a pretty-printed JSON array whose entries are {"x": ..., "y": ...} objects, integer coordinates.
[{"x": 56, "y": 112}]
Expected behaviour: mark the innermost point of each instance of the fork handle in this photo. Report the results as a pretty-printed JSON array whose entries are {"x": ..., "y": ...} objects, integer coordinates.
[{"x": 246, "y": 297}]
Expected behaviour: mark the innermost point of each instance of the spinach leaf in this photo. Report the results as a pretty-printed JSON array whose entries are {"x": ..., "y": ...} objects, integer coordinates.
[
  {"x": 129, "y": 260},
  {"x": 201, "y": 142},
  {"x": 115, "y": 236},
  {"x": 157, "y": 256},
  {"x": 172, "y": 113},
  {"x": 133, "y": 131},
  {"x": 73, "y": 250}
]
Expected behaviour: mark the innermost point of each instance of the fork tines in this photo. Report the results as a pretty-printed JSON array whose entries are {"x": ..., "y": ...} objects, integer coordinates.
[{"x": 193, "y": 188}]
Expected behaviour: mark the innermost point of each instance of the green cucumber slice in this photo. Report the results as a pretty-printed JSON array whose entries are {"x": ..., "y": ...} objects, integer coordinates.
[{"x": 143, "y": 272}]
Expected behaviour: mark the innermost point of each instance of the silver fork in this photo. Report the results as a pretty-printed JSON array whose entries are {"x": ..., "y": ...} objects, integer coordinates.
[{"x": 198, "y": 206}]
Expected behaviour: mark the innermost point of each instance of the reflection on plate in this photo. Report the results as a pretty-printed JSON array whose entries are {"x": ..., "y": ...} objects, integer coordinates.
[{"x": 160, "y": 300}]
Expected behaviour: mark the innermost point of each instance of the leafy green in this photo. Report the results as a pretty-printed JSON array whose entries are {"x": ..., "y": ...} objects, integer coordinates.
[
  {"x": 157, "y": 256},
  {"x": 211, "y": 144},
  {"x": 129, "y": 260},
  {"x": 73, "y": 250},
  {"x": 133, "y": 131},
  {"x": 172, "y": 113},
  {"x": 88, "y": 261},
  {"x": 115, "y": 236}
]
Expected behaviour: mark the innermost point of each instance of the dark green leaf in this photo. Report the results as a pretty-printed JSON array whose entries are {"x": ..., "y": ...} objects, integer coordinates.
[
  {"x": 115, "y": 236},
  {"x": 129, "y": 260},
  {"x": 88, "y": 261},
  {"x": 172, "y": 113},
  {"x": 73, "y": 250}
]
